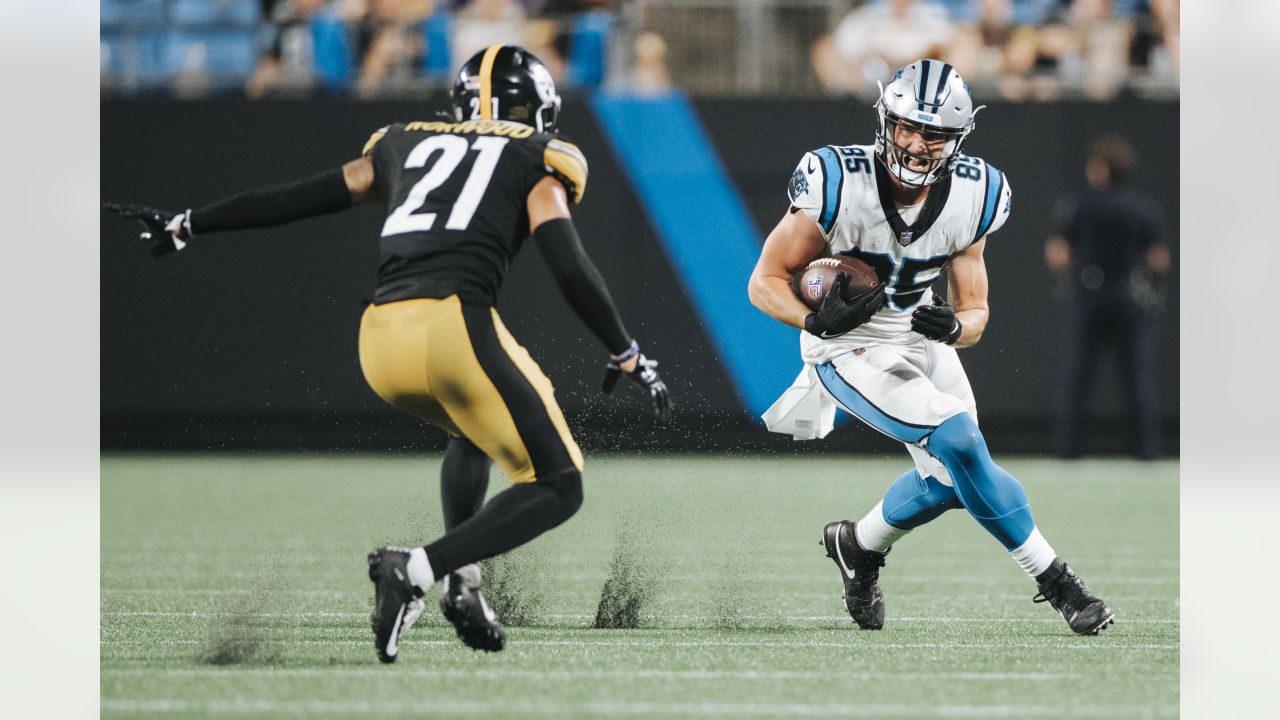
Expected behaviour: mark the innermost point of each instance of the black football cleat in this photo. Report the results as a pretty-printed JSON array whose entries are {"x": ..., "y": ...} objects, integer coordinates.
[
  {"x": 860, "y": 571},
  {"x": 464, "y": 605},
  {"x": 396, "y": 601},
  {"x": 1085, "y": 612}
]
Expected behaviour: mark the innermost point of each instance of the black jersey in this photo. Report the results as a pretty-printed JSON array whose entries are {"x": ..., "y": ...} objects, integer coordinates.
[{"x": 456, "y": 196}]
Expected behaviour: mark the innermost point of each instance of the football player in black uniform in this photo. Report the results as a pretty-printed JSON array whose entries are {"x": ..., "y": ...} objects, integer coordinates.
[{"x": 460, "y": 198}]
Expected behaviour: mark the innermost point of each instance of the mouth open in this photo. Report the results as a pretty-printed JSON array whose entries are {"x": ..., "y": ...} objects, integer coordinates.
[{"x": 915, "y": 163}]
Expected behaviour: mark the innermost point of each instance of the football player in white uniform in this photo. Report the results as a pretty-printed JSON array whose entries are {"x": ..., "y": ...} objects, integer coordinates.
[{"x": 909, "y": 206}]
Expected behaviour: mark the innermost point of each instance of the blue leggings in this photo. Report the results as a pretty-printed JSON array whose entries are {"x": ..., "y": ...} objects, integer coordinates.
[{"x": 992, "y": 496}]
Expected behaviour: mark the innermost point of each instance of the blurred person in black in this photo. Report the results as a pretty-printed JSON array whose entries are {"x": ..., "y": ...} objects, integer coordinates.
[
  {"x": 1109, "y": 253},
  {"x": 289, "y": 53},
  {"x": 461, "y": 198}
]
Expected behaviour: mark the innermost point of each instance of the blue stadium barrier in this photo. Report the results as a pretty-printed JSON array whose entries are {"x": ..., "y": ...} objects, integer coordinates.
[
  {"x": 150, "y": 54},
  {"x": 1031, "y": 12},
  {"x": 231, "y": 13},
  {"x": 437, "y": 61},
  {"x": 333, "y": 51},
  {"x": 114, "y": 14},
  {"x": 589, "y": 49},
  {"x": 960, "y": 11}
]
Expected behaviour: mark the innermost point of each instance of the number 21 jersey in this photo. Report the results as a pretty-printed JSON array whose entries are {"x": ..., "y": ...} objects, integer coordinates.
[{"x": 456, "y": 196}]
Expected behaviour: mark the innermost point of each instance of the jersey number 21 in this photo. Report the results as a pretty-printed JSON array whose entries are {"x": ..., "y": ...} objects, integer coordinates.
[{"x": 452, "y": 150}]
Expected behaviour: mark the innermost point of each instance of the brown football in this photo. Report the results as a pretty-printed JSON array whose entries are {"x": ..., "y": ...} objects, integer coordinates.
[{"x": 812, "y": 284}]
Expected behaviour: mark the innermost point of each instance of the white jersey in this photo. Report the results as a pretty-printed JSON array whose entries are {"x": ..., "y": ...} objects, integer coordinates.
[{"x": 840, "y": 190}]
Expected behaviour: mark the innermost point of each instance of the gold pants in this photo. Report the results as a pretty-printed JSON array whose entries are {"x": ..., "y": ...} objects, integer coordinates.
[{"x": 458, "y": 368}]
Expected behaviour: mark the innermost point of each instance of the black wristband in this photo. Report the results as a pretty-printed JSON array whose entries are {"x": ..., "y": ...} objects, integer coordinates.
[
  {"x": 319, "y": 194},
  {"x": 581, "y": 283}
]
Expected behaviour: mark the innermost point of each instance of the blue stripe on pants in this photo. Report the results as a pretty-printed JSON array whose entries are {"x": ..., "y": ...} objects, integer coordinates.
[{"x": 856, "y": 403}]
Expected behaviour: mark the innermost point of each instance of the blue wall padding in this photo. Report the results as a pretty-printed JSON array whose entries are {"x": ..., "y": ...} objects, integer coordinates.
[{"x": 702, "y": 223}]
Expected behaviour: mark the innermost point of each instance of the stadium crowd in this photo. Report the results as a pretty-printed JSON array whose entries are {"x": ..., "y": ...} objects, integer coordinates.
[{"x": 1022, "y": 49}]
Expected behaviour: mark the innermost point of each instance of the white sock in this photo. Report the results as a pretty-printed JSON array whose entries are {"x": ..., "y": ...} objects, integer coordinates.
[
  {"x": 1034, "y": 556},
  {"x": 420, "y": 569},
  {"x": 874, "y": 533}
]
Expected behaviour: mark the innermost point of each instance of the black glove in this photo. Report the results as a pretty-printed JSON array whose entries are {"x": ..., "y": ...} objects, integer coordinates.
[
  {"x": 646, "y": 376},
  {"x": 837, "y": 317},
  {"x": 937, "y": 321},
  {"x": 159, "y": 226}
]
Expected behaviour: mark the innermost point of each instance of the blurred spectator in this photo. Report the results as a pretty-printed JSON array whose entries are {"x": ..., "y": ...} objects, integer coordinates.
[
  {"x": 1082, "y": 45},
  {"x": 483, "y": 22},
  {"x": 289, "y": 57},
  {"x": 873, "y": 41},
  {"x": 1109, "y": 251},
  {"x": 649, "y": 68},
  {"x": 480, "y": 23},
  {"x": 978, "y": 48},
  {"x": 390, "y": 44},
  {"x": 1102, "y": 48},
  {"x": 1154, "y": 50}
]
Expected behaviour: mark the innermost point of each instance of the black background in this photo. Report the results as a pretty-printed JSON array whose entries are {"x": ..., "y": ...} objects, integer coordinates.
[{"x": 249, "y": 339}]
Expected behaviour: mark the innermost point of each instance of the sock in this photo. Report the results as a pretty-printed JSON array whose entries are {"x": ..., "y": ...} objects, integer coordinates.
[
  {"x": 1035, "y": 555},
  {"x": 420, "y": 573},
  {"x": 876, "y": 534}
]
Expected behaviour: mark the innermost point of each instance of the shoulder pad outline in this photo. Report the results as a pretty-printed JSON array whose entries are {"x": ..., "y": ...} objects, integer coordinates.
[{"x": 567, "y": 164}]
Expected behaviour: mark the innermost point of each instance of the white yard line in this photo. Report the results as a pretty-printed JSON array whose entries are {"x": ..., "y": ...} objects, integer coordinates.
[
  {"x": 1110, "y": 643},
  {"x": 661, "y": 617}
]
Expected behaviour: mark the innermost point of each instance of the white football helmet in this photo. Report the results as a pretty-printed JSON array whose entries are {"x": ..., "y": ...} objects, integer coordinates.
[{"x": 928, "y": 96}]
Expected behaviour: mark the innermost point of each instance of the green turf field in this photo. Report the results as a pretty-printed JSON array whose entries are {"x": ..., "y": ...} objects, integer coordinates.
[{"x": 235, "y": 586}]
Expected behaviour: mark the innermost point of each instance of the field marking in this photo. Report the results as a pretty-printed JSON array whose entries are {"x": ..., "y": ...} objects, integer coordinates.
[
  {"x": 663, "y": 617},
  {"x": 1101, "y": 644},
  {"x": 454, "y": 707}
]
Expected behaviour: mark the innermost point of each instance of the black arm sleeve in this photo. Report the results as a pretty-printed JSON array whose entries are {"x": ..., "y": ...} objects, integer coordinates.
[
  {"x": 275, "y": 205},
  {"x": 581, "y": 283}
]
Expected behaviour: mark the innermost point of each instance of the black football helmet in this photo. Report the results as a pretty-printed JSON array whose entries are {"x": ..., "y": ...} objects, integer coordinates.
[{"x": 506, "y": 82}]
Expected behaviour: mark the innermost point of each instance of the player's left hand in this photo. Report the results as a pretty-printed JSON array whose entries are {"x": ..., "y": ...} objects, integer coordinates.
[
  {"x": 646, "y": 376},
  {"x": 937, "y": 321},
  {"x": 162, "y": 230}
]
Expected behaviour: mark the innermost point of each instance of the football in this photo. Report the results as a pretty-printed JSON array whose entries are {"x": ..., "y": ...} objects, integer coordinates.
[{"x": 812, "y": 284}]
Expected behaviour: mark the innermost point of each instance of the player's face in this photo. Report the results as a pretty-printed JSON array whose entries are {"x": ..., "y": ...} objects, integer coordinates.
[{"x": 923, "y": 147}]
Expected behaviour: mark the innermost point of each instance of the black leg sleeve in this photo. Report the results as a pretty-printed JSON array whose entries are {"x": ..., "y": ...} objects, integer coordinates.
[
  {"x": 511, "y": 519},
  {"x": 464, "y": 478}
]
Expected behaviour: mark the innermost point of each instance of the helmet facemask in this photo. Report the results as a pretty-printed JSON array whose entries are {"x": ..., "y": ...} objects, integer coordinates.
[
  {"x": 926, "y": 97},
  {"x": 915, "y": 169}
]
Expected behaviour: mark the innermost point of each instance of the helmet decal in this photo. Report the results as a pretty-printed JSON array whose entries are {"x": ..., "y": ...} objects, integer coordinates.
[{"x": 486, "y": 81}]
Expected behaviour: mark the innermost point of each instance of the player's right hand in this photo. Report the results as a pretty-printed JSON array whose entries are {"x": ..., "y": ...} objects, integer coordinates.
[
  {"x": 162, "y": 230},
  {"x": 837, "y": 316},
  {"x": 646, "y": 376}
]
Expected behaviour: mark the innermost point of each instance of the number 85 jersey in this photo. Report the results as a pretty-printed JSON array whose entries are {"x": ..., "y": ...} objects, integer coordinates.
[
  {"x": 456, "y": 198},
  {"x": 845, "y": 190}
]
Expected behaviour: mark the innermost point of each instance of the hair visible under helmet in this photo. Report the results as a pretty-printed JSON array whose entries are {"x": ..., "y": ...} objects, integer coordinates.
[
  {"x": 506, "y": 82},
  {"x": 928, "y": 96}
]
